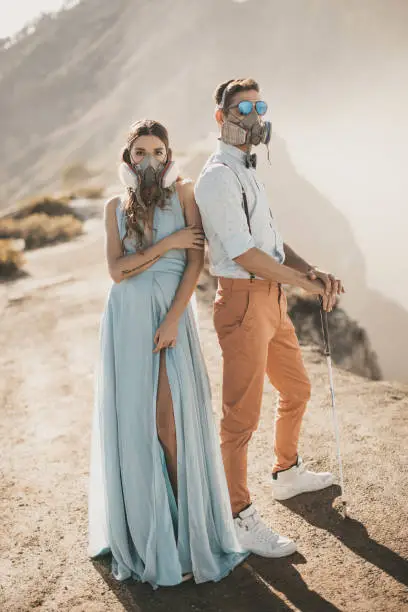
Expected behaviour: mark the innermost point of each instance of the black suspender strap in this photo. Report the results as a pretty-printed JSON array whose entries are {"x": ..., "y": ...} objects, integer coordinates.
[{"x": 244, "y": 205}]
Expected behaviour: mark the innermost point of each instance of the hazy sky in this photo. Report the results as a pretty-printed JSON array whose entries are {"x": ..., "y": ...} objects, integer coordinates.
[
  {"x": 355, "y": 152},
  {"x": 15, "y": 14}
]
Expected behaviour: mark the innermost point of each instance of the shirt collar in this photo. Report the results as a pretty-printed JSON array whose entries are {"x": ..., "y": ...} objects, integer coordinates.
[{"x": 228, "y": 149}]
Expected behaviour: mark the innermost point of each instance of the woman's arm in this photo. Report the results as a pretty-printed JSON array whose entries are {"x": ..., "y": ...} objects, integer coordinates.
[
  {"x": 167, "y": 333},
  {"x": 125, "y": 266}
]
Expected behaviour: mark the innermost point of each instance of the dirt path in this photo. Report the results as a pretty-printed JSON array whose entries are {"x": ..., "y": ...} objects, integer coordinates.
[{"x": 48, "y": 335}]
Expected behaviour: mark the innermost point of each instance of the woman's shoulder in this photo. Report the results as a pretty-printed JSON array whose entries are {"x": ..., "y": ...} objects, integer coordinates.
[
  {"x": 112, "y": 204},
  {"x": 185, "y": 190}
]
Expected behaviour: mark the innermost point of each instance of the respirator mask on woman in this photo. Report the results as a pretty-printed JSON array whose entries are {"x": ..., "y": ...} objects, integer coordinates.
[{"x": 148, "y": 178}]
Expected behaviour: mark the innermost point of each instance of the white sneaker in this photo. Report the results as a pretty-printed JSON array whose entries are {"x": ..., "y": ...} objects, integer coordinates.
[
  {"x": 256, "y": 537},
  {"x": 298, "y": 480}
]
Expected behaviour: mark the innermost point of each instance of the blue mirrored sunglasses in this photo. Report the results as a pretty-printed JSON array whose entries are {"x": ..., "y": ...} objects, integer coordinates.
[{"x": 245, "y": 107}]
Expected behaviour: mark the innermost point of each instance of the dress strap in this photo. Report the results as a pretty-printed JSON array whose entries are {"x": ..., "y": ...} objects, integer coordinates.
[{"x": 177, "y": 200}]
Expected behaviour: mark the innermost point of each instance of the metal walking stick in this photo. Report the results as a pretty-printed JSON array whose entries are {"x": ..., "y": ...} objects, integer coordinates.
[{"x": 327, "y": 352}]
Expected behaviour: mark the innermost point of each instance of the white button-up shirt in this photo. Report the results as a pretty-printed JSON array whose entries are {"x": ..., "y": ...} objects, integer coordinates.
[{"x": 219, "y": 197}]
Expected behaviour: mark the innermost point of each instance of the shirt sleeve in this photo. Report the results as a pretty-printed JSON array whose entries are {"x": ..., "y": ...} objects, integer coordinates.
[{"x": 218, "y": 195}]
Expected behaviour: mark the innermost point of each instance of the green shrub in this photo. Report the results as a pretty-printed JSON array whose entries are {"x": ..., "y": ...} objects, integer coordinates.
[
  {"x": 11, "y": 259},
  {"x": 40, "y": 229}
]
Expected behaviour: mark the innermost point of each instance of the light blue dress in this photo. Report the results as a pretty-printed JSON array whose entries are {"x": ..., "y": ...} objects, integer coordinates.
[{"x": 132, "y": 510}]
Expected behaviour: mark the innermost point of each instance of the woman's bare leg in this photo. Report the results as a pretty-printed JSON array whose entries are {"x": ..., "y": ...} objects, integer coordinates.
[{"x": 166, "y": 427}]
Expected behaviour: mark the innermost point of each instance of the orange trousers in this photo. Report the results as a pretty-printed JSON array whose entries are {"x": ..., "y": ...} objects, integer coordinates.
[{"x": 257, "y": 337}]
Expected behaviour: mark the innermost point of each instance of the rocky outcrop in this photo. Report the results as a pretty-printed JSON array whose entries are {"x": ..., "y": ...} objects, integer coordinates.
[{"x": 350, "y": 345}]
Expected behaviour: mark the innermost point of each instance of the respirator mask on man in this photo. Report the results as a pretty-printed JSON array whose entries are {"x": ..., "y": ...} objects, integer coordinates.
[
  {"x": 243, "y": 124},
  {"x": 148, "y": 178}
]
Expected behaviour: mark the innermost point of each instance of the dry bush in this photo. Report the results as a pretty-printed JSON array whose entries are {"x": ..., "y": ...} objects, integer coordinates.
[
  {"x": 11, "y": 259},
  {"x": 75, "y": 173},
  {"x": 53, "y": 207},
  {"x": 9, "y": 228},
  {"x": 90, "y": 192},
  {"x": 41, "y": 230}
]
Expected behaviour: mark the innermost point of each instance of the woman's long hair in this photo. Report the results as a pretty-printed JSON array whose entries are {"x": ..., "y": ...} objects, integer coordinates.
[{"x": 136, "y": 209}]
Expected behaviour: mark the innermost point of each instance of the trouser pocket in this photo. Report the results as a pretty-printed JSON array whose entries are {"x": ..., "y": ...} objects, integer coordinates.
[{"x": 232, "y": 311}]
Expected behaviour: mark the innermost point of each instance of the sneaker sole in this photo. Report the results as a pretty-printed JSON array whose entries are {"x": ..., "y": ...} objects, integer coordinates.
[
  {"x": 289, "y": 549},
  {"x": 280, "y": 497}
]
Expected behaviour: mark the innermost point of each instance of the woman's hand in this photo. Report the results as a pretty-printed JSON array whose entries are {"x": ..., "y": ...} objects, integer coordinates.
[
  {"x": 191, "y": 237},
  {"x": 166, "y": 335}
]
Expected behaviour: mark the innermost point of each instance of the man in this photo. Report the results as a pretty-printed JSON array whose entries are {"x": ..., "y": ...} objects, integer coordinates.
[{"x": 251, "y": 261}]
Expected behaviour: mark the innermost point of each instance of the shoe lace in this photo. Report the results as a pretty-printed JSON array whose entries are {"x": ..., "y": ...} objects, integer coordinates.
[
  {"x": 255, "y": 524},
  {"x": 305, "y": 466}
]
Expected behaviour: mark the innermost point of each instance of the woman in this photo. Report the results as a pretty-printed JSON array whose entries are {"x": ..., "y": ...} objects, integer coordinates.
[{"x": 158, "y": 495}]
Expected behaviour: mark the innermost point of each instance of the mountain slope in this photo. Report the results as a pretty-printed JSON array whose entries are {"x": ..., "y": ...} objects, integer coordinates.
[
  {"x": 69, "y": 91},
  {"x": 71, "y": 88}
]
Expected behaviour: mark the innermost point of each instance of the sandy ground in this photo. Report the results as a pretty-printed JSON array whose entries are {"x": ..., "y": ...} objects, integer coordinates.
[{"x": 49, "y": 343}]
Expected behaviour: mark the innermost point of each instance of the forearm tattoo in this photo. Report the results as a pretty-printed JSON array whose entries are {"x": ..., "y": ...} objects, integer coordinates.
[{"x": 143, "y": 265}]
